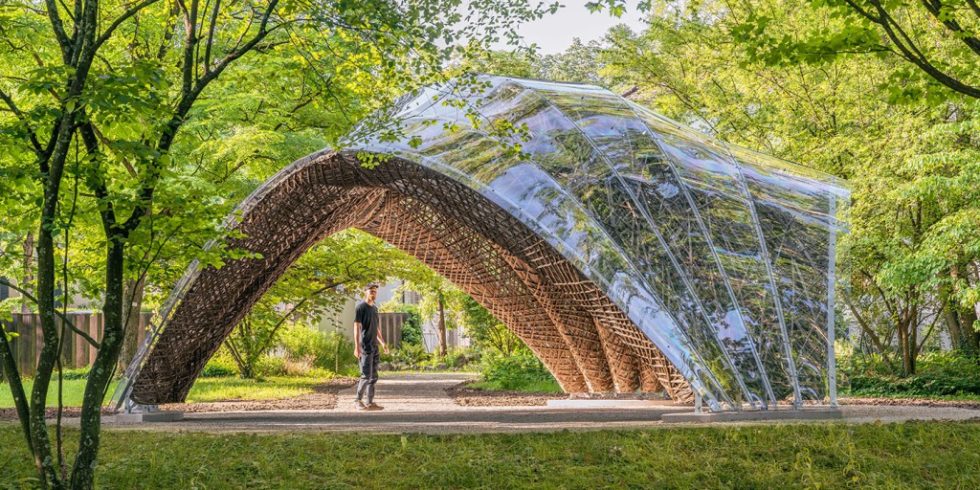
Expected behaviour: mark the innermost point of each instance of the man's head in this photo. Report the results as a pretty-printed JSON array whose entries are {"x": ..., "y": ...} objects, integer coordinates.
[{"x": 371, "y": 292}]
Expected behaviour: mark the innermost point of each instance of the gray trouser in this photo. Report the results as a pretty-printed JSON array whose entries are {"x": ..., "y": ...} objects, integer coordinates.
[{"x": 369, "y": 373}]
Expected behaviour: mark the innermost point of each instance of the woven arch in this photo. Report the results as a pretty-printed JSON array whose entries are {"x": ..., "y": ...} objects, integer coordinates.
[
  {"x": 627, "y": 250},
  {"x": 578, "y": 333}
]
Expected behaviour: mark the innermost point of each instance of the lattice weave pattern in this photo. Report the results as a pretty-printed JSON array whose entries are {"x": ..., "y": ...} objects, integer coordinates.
[{"x": 584, "y": 339}]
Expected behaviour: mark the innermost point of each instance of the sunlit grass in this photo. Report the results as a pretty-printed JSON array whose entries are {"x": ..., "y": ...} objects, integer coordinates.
[
  {"x": 231, "y": 388},
  {"x": 204, "y": 390},
  {"x": 907, "y": 455}
]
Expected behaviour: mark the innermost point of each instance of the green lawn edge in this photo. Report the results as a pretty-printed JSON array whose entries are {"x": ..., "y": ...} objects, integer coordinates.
[{"x": 899, "y": 455}]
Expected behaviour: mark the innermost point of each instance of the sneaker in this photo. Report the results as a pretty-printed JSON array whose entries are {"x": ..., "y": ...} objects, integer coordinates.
[
  {"x": 374, "y": 407},
  {"x": 359, "y": 405}
]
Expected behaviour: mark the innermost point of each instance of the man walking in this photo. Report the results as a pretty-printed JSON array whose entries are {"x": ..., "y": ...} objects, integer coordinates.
[{"x": 367, "y": 338}]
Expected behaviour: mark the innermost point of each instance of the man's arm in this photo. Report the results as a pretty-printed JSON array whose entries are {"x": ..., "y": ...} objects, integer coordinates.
[{"x": 381, "y": 340}]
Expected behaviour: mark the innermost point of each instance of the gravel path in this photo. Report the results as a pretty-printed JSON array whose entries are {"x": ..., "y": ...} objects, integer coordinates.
[{"x": 424, "y": 403}]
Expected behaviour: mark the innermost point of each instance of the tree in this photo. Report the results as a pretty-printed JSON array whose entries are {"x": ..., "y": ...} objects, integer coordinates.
[
  {"x": 939, "y": 38},
  {"x": 117, "y": 84},
  {"x": 487, "y": 332},
  {"x": 910, "y": 160},
  {"x": 321, "y": 281}
]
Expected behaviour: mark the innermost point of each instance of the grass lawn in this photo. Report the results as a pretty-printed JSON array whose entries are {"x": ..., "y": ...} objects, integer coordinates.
[
  {"x": 72, "y": 391},
  {"x": 204, "y": 390},
  {"x": 913, "y": 455}
]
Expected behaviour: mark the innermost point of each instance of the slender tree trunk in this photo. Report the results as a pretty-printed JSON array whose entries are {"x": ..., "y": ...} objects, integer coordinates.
[
  {"x": 131, "y": 329},
  {"x": 101, "y": 372},
  {"x": 442, "y": 325},
  {"x": 905, "y": 347},
  {"x": 967, "y": 317},
  {"x": 28, "y": 270},
  {"x": 9, "y": 367},
  {"x": 48, "y": 357}
]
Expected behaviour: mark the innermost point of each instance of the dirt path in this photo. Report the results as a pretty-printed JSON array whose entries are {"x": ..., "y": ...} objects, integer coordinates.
[
  {"x": 424, "y": 403},
  {"x": 409, "y": 392}
]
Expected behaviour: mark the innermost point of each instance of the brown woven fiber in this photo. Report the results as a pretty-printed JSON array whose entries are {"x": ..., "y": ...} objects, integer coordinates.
[{"x": 571, "y": 325}]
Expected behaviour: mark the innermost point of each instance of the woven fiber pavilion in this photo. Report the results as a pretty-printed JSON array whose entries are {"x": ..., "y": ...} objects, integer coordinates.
[{"x": 629, "y": 252}]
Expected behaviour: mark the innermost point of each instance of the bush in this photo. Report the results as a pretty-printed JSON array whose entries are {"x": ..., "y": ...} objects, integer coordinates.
[
  {"x": 412, "y": 327},
  {"x": 327, "y": 351},
  {"x": 270, "y": 366},
  {"x": 410, "y": 355},
  {"x": 220, "y": 365},
  {"x": 79, "y": 373},
  {"x": 455, "y": 359},
  {"x": 938, "y": 374},
  {"x": 515, "y": 372}
]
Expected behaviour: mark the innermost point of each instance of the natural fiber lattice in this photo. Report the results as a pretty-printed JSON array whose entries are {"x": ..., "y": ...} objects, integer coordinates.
[
  {"x": 487, "y": 253},
  {"x": 629, "y": 252}
]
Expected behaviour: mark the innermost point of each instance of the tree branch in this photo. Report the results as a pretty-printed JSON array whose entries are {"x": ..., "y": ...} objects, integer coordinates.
[
  {"x": 122, "y": 18},
  {"x": 64, "y": 318},
  {"x": 64, "y": 42},
  {"x": 935, "y": 8},
  {"x": 911, "y": 52},
  {"x": 38, "y": 150}
]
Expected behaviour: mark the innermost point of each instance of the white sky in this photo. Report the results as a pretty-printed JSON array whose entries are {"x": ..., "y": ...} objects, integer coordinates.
[{"x": 555, "y": 32}]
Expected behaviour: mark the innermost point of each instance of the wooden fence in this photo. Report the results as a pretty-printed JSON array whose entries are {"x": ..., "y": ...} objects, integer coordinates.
[
  {"x": 76, "y": 352},
  {"x": 391, "y": 327}
]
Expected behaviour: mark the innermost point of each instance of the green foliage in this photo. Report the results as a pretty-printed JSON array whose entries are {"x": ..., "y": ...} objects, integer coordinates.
[
  {"x": 327, "y": 351},
  {"x": 412, "y": 356},
  {"x": 220, "y": 365},
  {"x": 412, "y": 326},
  {"x": 938, "y": 375},
  {"x": 515, "y": 372},
  {"x": 487, "y": 333},
  {"x": 77, "y": 373}
]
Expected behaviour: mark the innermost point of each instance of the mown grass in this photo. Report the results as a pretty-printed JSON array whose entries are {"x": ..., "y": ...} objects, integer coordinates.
[
  {"x": 72, "y": 391},
  {"x": 908, "y": 455},
  {"x": 204, "y": 390},
  {"x": 232, "y": 388}
]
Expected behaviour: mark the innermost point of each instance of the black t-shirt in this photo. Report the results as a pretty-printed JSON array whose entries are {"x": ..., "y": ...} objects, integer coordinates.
[{"x": 367, "y": 316}]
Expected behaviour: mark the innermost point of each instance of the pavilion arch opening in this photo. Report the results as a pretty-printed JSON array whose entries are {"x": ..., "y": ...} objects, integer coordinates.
[
  {"x": 627, "y": 250},
  {"x": 580, "y": 335}
]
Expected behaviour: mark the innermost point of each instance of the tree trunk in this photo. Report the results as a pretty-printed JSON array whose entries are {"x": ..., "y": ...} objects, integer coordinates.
[
  {"x": 132, "y": 333},
  {"x": 442, "y": 325},
  {"x": 967, "y": 317},
  {"x": 8, "y": 365},
  {"x": 48, "y": 357},
  {"x": 101, "y": 372},
  {"x": 28, "y": 270},
  {"x": 905, "y": 347},
  {"x": 971, "y": 338}
]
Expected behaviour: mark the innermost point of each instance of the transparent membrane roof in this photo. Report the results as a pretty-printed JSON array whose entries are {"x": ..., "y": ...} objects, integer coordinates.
[{"x": 722, "y": 256}]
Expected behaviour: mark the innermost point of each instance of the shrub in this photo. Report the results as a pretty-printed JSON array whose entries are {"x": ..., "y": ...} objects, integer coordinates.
[
  {"x": 412, "y": 356},
  {"x": 412, "y": 327},
  {"x": 78, "y": 373},
  {"x": 515, "y": 372},
  {"x": 270, "y": 366},
  {"x": 938, "y": 374},
  {"x": 328, "y": 351},
  {"x": 221, "y": 364}
]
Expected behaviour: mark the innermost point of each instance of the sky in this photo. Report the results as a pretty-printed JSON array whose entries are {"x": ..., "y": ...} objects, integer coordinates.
[{"x": 555, "y": 32}]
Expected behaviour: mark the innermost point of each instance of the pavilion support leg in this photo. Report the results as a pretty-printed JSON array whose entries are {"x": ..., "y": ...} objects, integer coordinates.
[{"x": 621, "y": 360}]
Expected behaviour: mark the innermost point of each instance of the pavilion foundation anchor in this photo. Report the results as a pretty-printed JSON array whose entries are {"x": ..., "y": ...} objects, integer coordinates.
[
  {"x": 806, "y": 413},
  {"x": 134, "y": 413}
]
